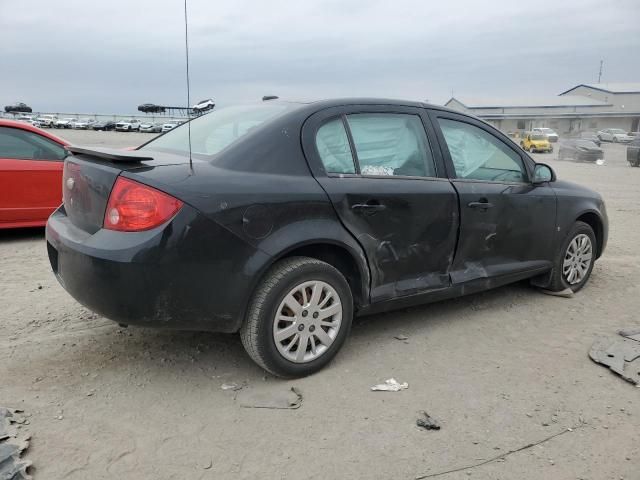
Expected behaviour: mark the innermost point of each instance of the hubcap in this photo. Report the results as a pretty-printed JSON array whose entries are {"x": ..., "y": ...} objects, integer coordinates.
[
  {"x": 577, "y": 259},
  {"x": 307, "y": 321}
]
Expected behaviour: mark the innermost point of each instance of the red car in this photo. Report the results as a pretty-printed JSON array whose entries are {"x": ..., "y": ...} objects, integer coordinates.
[{"x": 31, "y": 162}]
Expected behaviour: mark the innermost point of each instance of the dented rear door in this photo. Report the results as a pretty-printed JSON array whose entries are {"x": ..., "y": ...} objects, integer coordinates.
[{"x": 381, "y": 175}]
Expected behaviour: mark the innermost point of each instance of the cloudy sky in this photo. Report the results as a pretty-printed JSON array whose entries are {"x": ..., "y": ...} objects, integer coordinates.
[{"x": 110, "y": 56}]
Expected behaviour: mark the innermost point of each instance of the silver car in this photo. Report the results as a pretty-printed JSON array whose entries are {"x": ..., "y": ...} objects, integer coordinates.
[{"x": 614, "y": 135}]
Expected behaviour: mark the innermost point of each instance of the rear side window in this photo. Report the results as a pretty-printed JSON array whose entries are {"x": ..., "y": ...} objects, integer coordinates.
[
  {"x": 391, "y": 144},
  {"x": 333, "y": 147},
  {"x": 478, "y": 155},
  {"x": 24, "y": 145}
]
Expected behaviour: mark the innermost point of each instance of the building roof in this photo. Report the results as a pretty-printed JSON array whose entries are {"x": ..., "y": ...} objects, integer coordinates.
[
  {"x": 629, "y": 87},
  {"x": 544, "y": 102}
]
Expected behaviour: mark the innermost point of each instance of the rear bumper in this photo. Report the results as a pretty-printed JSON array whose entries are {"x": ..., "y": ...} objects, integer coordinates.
[{"x": 177, "y": 276}]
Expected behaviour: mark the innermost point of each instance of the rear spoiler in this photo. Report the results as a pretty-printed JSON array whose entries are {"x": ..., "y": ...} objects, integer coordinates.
[{"x": 111, "y": 154}]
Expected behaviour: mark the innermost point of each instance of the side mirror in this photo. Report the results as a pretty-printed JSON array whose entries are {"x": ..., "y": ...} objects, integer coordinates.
[{"x": 543, "y": 173}]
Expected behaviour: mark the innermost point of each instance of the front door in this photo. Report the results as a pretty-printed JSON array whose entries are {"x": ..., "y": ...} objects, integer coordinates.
[
  {"x": 378, "y": 168},
  {"x": 507, "y": 224},
  {"x": 30, "y": 177}
]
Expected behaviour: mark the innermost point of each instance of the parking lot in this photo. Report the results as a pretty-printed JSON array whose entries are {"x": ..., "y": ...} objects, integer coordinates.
[{"x": 499, "y": 371}]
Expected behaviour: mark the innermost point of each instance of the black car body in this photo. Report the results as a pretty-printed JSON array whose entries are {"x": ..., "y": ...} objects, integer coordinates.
[
  {"x": 151, "y": 108},
  {"x": 309, "y": 181},
  {"x": 633, "y": 152},
  {"x": 580, "y": 151},
  {"x": 591, "y": 136},
  {"x": 18, "y": 108},
  {"x": 104, "y": 125}
]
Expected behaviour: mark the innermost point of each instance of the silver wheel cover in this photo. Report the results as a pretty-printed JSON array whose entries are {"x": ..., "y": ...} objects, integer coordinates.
[
  {"x": 307, "y": 321},
  {"x": 577, "y": 259}
]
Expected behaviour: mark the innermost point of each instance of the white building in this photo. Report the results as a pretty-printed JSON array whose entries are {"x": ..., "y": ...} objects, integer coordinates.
[{"x": 583, "y": 107}]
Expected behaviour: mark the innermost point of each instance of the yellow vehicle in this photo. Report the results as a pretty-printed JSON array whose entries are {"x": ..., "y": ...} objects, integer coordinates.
[{"x": 536, "y": 142}]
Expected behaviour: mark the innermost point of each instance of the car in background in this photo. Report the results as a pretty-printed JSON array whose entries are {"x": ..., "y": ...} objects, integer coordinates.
[
  {"x": 24, "y": 118},
  {"x": 64, "y": 123},
  {"x": 551, "y": 135},
  {"x": 47, "y": 121},
  {"x": 17, "y": 107},
  {"x": 147, "y": 127},
  {"x": 151, "y": 108},
  {"x": 210, "y": 235},
  {"x": 83, "y": 123},
  {"x": 203, "y": 106},
  {"x": 128, "y": 125},
  {"x": 169, "y": 126},
  {"x": 31, "y": 162},
  {"x": 614, "y": 135},
  {"x": 580, "y": 150},
  {"x": 591, "y": 136},
  {"x": 536, "y": 142},
  {"x": 104, "y": 125},
  {"x": 633, "y": 152}
]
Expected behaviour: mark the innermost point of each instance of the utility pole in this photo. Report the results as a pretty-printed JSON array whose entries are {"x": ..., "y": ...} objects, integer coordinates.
[{"x": 600, "y": 73}]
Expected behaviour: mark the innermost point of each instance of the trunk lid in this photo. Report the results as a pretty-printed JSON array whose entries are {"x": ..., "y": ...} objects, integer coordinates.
[{"x": 89, "y": 175}]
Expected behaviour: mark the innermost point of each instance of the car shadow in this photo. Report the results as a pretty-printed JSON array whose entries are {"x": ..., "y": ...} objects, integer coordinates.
[
  {"x": 21, "y": 234},
  {"x": 169, "y": 353}
]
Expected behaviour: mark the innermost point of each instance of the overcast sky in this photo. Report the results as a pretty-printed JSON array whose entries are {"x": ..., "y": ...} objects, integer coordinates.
[{"x": 110, "y": 56}]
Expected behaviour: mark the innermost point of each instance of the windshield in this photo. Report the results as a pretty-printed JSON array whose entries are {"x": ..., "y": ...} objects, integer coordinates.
[
  {"x": 217, "y": 130},
  {"x": 617, "y": 130}
]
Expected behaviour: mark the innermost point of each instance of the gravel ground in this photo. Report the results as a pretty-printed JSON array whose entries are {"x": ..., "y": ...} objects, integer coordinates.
[{"x": 499, "y": 371}]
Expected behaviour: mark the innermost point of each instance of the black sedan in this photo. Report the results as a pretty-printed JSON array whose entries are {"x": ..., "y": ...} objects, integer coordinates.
[
  {"x": 104, "y": 125},
  {"x": 287, "y": 219},
  {"x": 633, "y": 152},
  {"x": 18, "y": 108},
  {"x": 580, "y": 151}
]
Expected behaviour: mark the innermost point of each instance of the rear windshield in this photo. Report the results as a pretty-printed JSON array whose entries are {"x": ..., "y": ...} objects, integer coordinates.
[{"x": 217, "y": 130}]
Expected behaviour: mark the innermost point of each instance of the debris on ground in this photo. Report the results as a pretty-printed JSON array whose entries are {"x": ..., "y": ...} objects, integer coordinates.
[
  {"x": 401, "y": 337},
  {"x": 427, "y": 422},
  {"x": 566, "y": 293},
  {"x": 273, "y": 398},
  {"x": 621, "y": 354},
  {"x": 390, "y": 385},
  {"x": 12, "y": 445},
  {"x": 231, "y": 386}
]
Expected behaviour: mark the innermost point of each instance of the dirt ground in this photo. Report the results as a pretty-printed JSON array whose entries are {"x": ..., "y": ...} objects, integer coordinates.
[{"x": 499, "y": 371}]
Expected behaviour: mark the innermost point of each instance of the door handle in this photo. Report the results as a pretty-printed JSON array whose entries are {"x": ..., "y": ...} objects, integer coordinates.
[
  {"x": 481, "y": 205},
  {"x": 368, "y": 208}
]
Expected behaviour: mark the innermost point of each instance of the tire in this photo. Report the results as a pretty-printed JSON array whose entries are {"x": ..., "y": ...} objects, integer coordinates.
[
  {"x": 615, "y": 140},
  {"x": 266, "y": 308},
  {"x": 559, "y": 279}
]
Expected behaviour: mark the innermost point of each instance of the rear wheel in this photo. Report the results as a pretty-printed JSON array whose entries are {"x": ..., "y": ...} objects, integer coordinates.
[
  {"x": 575, "y": 258},
  {"x": 298, "y": 318}
]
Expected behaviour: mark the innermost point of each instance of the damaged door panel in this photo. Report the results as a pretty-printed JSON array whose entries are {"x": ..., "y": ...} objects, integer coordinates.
[{"x": 507, "y": 223}]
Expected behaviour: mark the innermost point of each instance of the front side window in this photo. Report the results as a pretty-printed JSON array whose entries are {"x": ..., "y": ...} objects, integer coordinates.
[
  {"x": 333, "y": 147},
  {"x": 478, "y": 155},
  {"x": 391, "y": 145},
  {"x": 25, "y": 145}
]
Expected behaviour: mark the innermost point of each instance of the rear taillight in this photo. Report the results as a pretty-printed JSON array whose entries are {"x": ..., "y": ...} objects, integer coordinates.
[{"x": 134, "y": 207}]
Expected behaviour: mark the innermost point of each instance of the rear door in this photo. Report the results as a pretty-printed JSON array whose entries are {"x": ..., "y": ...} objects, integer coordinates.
[
  {"x": 386, "y": 183},
  {"x": 507, "y": 224},
  {"x": 30, "y": 176}
]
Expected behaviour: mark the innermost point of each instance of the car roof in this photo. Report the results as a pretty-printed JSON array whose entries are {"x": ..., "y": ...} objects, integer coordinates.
[{"x": 31, "y": 128}]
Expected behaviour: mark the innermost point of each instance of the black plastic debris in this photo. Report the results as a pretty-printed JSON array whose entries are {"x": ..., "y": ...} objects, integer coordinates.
[
  {"x": 12, "y": 467},
  {"x": 427, "y": 422},
  {"x": 621, "y": 354}
]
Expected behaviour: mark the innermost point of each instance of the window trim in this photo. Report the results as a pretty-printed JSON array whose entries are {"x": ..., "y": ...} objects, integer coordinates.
[{"x": 438, "y": 114}]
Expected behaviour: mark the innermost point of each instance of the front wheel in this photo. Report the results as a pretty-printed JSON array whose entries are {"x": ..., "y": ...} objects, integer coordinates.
[
  {"x": 574, "y": 260},
  {"x": 615, "y": 140},
  {"x": 298, "y": 318}
]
